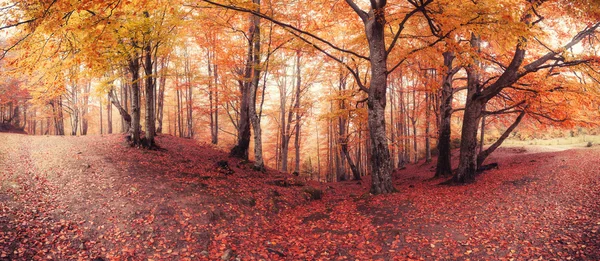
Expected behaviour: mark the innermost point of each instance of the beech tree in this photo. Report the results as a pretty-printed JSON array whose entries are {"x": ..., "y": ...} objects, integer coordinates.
[{"x": 481, "y": 90}]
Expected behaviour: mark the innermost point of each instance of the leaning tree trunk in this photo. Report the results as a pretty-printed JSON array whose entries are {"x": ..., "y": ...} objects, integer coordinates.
[
  {"x": 485, "y": 153},
  {"x": 122, "y": 111},
  {"x": 380, "y": 159},
  {"x": 444, "y": 166}
]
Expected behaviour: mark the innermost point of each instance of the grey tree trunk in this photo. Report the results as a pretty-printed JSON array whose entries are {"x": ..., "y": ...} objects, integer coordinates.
[
  {"x": 444, "y": 167},
  {"x": 122, "y": 111},
  {"x": 134, "y": 69},
  {"x": 213, "y": 97},
  {"x": 160, "y": 100},
  {"x": 109, "y": 129},
  {"x": 150, "y": 90},
  {"x": 254, "y": 117},
  {"x": 74, "y": 108},
  {"x": 298, "y": 115},
  {"x": 467, "y": 167},
  {"x": 84, "y": 108},
  {"x": 381, "y": 175}
]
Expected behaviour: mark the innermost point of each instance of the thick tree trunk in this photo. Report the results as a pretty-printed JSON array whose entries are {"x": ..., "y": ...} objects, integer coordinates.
[
  {"x": 134, "y": 69},
  {"x": 467, "y": 167},
  {"x": 243, "y": 136},
  {"x": 444, "y": 167},
  {"x": 380, "y": 159}
]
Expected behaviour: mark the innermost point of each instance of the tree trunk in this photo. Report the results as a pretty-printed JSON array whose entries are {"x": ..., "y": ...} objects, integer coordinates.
[
  {"x": 160, "y": 100},
  {"x": 240, "y": 150},
  {"x": 149, "y": 122},
  {"x": 484, "y": 154},
  {"x": 414, "y": 126},
  {"x": 109, "y": 129},
  {"x": 74, "y": 109},
  {"x": 85, "y": 108},
  {"x": 298, "y": 115},
  {"x": 482, "y": 133},
  {"x": 179, "y": 117},
  {"x": 380, "y": 159},
  {"x": 134, "y": 69},
  {"x": 254, "y": 117},
  {"x": 444, "y": 164},
  {"x": 428, "y": 98},
  {"x": 189, "y": 100},
  {"x": 401, "y": 127},
  {"x": 213, "y": 97},
  {"x": 467, "y": 167},
  {"x": 101, "y": 121},
  {"x": 122, "y": 111}
]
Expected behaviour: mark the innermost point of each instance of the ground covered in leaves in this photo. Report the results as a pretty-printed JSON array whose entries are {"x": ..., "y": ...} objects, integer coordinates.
[{"x": 69, "y": 198}]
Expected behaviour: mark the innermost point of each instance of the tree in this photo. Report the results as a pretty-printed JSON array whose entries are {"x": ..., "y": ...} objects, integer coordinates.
[{"x": 481, "y": 91}]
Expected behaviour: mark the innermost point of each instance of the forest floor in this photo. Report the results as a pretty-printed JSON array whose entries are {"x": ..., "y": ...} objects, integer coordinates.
[{"x": 69, "y": 198}]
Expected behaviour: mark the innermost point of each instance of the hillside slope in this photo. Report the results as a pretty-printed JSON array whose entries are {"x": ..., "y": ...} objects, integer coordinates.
[{"x": 66, "y": 198}]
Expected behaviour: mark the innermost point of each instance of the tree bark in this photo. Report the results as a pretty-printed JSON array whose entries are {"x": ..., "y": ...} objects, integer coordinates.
[
  {"x": 160, "y": 100},
  {"x": 444, "y": 166},
  {"x": 381, "y": 162},
  {"x": 84, "y": 109},
  {"x": 298, "y": 116},
  {"x": 213, "y": 97},
  {"x": 109, "y": 129},
  {"x": 150, "y": 90},
  {"x": 254, "y": 117},
  {"x": 240, "y": 150},
  {"x": 485, "y": 153},
  {"x": 467, "y": 167},
  {"x": 428, "y": 103},
  {"x": 134, "y": 69},
  {"x": 122, "y": 111}
]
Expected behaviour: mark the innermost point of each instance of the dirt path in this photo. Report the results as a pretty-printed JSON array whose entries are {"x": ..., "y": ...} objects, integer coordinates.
[{"x": 80, "y": 198}]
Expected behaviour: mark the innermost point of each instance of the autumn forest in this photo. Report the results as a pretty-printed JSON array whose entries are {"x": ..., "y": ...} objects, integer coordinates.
[{"x": 299, "y": 130}]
